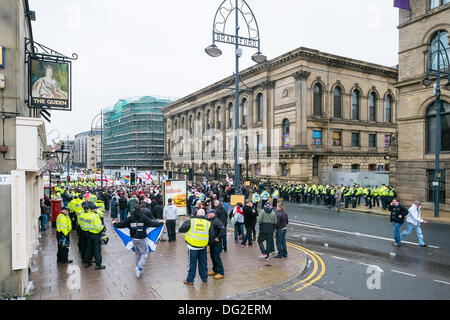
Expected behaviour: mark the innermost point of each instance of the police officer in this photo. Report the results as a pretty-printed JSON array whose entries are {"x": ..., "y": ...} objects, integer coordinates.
[
  {"x": 264, "y": 197},
  {"x": 197, "y": 237},
  {"x": 384, "y": 196},
  {"x": 93, "y": 225},
  {"x": 63, "y": 228},
  {"x": 256, "y": 198},
  {"x": 275, "y": 196}
]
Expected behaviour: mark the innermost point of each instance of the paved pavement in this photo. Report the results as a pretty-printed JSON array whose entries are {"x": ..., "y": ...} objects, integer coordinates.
[{"x": 163, "y": 276}]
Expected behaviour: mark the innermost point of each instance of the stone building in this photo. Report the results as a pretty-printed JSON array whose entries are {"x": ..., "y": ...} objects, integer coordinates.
[
  {"x": 418, "y": 30},
  {"x": 300, "y": 113},
  {"x": 87, "y": 153},
  {"x": 21, "y": 164}
]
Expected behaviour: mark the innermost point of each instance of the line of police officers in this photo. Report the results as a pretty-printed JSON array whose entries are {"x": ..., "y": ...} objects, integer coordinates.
[
  {"x": 86, "y": 217},
  {"x": 307, "y": 193}
]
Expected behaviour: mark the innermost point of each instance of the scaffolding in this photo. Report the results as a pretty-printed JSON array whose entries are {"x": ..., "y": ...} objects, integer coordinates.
[{"x": 134, "y": 134}]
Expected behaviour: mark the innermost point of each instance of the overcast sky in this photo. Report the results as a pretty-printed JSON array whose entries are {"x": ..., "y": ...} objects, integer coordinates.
[{"x": 148, "y": 47}]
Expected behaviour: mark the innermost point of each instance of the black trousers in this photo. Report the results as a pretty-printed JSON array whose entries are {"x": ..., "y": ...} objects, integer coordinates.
[
  {"x": 170, "y": 225},
  {"x": 63, "y": 252},
  {"x": 82, "y": 244},
  {"x": 94, "y": 248},
  {"x": 254, "y": 229},
  {"x": 274, "y": 203}
]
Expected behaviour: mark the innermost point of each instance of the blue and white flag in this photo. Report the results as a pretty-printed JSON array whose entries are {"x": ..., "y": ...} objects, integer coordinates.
[{"x": 153, "y": 235}]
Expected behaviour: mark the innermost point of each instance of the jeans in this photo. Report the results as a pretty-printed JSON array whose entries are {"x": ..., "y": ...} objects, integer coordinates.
[
  {"x": 214, "y": 252},
  {"x": 44, "y": 219},
  {"x": 141, "y": 252},
  {"x": 238, "y": 229},
  {"x": 281, "y": 242},
  {"x": 397, "y": 238},
  {"x": 224, "y": 241},
  {"x": 226, "y": 206},
  {"x": 248, "y": 236},
  {"x": 409, "y": 228},
  {"x": 123, "y": 214},
  {"x": 200, "y": 257},
  {"x": 268, "y": 237}
]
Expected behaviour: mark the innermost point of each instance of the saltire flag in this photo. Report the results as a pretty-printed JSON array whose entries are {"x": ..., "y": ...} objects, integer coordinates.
[
  {"x": 153, "y": 235},
  {"x": 402, "y": 4}
]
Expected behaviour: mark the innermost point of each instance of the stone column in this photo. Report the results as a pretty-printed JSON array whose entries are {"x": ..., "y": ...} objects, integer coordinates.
[
  {"x": 301, "y": 123},
  {"x": 268, "y": 87}
]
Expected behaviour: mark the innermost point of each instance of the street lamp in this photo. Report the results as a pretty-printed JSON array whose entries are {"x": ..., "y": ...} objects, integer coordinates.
[
  {"x": 252, "y": 40},
  {"x": 101, "y": 143},
  {"x": 438, "y": 67}
]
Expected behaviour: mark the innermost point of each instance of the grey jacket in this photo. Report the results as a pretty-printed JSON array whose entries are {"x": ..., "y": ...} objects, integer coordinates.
[{"x": 170, "y": 212}]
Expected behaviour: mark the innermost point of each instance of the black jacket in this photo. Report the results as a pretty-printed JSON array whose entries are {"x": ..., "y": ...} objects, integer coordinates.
[
  {"x": 250, "y": 216},
  {"x": 147, "y": 213},
  {"x": 158, "y": 212},
  {"x": 396, "y": 212},
  {"x": 137, "y": 223},
  {"x": 218, "y": 230},
  {"x": 123, "y": 203},
  {"x": 222, "y": 214}
]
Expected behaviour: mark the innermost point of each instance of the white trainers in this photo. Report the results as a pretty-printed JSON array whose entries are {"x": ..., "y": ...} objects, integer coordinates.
[{"x": 138, "y": 272}]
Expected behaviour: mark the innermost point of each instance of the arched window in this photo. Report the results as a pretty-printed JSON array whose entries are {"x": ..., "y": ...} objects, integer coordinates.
[
  {"x": 208, "y": 119},
  {"x": 337, "y": 102},
  {"x": 373, "y": 107},
  {"x": 286, "y": 134},
  {"x": 355, "y": 105},
  {"x": 430, "y": 124},
  {"x": 259, "y": 108},
  {"x": 199, "y": 123},
  {"x": 441, "y": 35},
  {"x": 388, "y": 108},
  {"x": 317, "y": 100},
  {"x": 244, "y": 105},
  {"x": 219, "y": 117},
  {"x": 190, "y": 124},
  {"x": 230, "y": 115}
]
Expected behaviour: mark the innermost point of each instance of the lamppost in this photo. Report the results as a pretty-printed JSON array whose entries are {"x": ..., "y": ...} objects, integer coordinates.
[
  {"x": 437, "y": 67},
  {"x": 101, "y": 143},
  {"x": 252, "y": 40}
]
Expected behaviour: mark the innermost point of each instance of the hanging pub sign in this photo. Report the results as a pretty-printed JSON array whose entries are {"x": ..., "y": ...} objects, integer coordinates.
[
  {"x": 50, "y": 84},
  {"x": 49, "y": 77}
]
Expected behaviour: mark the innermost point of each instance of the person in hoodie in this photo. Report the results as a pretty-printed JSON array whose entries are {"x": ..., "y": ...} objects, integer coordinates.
[
  {"x": 267, "y": 221},
  {"x": 413, "y": 221},
  {"x": 281, "y": 229},
  {"x": 138, "y": 223},
  {"x": 170, "y": 216}
]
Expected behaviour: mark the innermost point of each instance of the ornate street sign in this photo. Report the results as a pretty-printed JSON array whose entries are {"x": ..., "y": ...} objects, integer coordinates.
[{"x": 49, "y": 77}]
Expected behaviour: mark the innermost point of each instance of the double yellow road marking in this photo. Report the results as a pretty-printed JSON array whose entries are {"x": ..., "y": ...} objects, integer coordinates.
[{"x": 315, "y": 275}]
